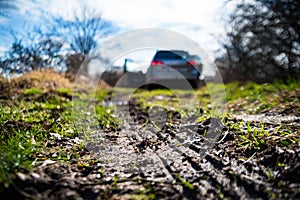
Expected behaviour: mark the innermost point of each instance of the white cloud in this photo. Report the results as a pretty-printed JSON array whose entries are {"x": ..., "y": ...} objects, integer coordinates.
[
  {"x": 197, "y": 19},
  {"x": 2, "y": 51},
  {"x": 139, "y": 13}
]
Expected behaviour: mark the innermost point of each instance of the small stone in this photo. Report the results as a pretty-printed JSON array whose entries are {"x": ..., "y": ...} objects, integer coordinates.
[
  {"x": 56, "y": 135},
  {"x": 21, "y": 176},
  {"x": 48, "y": 162},
  {"x": 98, "y": 176},
  {"x": 35, "y": 175}
]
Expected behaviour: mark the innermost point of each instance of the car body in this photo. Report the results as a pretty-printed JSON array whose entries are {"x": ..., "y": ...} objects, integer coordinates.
[{"x": 175, "y": 66}]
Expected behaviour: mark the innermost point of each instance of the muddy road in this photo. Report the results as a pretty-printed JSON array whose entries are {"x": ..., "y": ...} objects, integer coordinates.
[{"x": 161, "y": 153}]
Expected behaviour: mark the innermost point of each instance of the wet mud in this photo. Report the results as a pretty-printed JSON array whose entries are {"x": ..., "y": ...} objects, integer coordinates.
[{"x": 160, "y": 154}]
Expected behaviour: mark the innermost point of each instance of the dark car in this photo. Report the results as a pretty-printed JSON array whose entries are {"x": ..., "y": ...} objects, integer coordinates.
[{"x": 176, "y": 66}]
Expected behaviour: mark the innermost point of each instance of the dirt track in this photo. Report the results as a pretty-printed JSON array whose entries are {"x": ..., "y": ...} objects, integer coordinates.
[{"x": 176, "y": 158}]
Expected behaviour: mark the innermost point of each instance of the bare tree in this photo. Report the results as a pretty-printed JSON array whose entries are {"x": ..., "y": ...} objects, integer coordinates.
[
  {"x": 61, "y": 43},
  {"x": 33, "y": 50},
  {"x": 82, "y": 34},
  {"x": 264, "y": 40}
]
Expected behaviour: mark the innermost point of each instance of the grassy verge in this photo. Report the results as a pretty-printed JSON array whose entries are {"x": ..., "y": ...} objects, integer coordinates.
[
  {"x": 30, "y": 123},
  {"x": 257, "y": 98},
  {"x": 249, "y": 98}
]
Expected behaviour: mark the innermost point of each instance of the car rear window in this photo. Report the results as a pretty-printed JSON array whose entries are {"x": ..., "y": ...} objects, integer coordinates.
[{"x": 167, "y": 55}]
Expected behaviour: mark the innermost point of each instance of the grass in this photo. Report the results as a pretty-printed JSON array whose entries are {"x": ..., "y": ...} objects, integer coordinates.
[
  {"x": 20, "y": 138},
  {"x": 174, "y": 99},
  {"x": 63, "y": 91},
  {"x": 16, "y": 149},
  {"x": 106, "y": 119},
  {"x": 255, "y": 98},
  {"x": 250, "y": 98},
  {"x": 253, "y": 137},
  {"x": 155, "y": 97},
  {"x": 26, "y": 123},
  {"x": 32, "y": 91},
  {"x": 184, "y": 182}
]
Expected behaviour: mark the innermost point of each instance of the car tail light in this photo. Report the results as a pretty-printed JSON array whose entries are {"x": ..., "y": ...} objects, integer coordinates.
[
  {"x": 192, "y": 62},
  {"x": 156, "y": 62}
]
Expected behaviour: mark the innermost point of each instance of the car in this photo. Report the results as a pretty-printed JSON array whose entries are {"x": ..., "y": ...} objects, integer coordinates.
[{"x": 174, "y": 66}]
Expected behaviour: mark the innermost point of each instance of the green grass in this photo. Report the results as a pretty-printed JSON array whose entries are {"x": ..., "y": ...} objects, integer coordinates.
[
  {"x": 255, "y": 98},
  {"x": 20, "y": 136},
  {"x": 100, "y": 94},
  {"x": 32, "y": 91},
  {"x": 147, "y": 98},
  {"x": 248, "y": 97},
  {"x": 106, "y": 119},
  {"x": 174, "y": 99},
  {"x": 25, "y": 127},
  {"x": 26, "y": 124},
  {"x": 184, "y": 182},
  {"x": 64, "y": 91},
  {"x": 16, "y": 147},
  {"x": 253, "y": 137}
]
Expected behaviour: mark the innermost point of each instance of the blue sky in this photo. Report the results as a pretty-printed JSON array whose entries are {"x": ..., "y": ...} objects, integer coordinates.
[{"x": 199, "y": 20}]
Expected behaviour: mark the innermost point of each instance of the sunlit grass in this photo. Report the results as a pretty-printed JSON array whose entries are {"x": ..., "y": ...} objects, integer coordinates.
[
  {"x": 26, "y": 123},
  {"x": 106, "y": 118},
  {"x": 16, "y": 146},
  {"x": 32, "y": 91},
  {"x": 255, "y": 98}
]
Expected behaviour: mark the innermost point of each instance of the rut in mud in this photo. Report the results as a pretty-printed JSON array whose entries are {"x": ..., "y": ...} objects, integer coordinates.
[{"x": 158, "y": 153}]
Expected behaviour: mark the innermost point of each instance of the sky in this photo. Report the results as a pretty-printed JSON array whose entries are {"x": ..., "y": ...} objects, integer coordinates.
[{"x": 198, "y": 20}]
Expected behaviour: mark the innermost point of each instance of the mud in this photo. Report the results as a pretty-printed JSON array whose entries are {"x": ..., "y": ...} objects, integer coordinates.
[{"x": 158, "y": 153}]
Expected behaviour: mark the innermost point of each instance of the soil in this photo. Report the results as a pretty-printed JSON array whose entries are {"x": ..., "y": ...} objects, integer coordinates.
[{"x": 161, "y": 154}]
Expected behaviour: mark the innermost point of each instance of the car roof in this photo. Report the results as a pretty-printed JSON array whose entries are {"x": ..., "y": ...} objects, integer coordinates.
[
  {"x": 180, "y": 52},
  {"x": 175, "y": 54}
]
